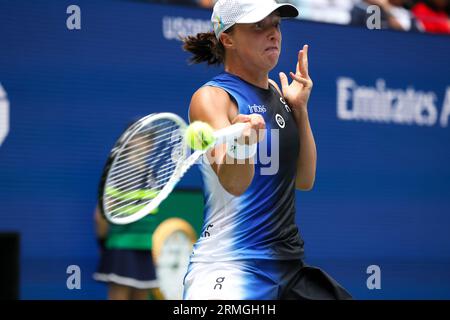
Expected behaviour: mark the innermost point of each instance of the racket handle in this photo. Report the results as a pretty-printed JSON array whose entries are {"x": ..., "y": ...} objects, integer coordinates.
[{"x": 230, "y": 133}]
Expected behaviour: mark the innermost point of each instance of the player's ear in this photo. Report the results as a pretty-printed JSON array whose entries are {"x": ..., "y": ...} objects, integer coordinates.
[{"x": 227, "y": 41}]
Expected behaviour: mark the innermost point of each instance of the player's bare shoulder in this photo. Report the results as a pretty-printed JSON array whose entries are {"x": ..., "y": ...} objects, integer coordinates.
[{"x": 209, "y": 101}]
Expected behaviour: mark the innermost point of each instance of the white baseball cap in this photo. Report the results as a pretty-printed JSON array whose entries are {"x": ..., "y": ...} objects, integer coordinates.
[{"x": 226, "y": 13}]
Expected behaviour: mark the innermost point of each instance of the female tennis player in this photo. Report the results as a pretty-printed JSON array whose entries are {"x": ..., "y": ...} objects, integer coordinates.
[{"x": 250, "y": 247}]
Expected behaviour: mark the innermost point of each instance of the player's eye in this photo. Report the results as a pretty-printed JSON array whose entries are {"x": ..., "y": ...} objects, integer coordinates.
[{"x": 259, "y": 25}]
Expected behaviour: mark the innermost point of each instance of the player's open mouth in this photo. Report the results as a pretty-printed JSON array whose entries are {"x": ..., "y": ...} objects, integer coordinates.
[{"x": 272, "y": 49}]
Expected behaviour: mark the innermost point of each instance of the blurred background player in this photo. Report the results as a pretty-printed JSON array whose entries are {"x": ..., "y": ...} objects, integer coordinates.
[{"x": 126, "y": 261}]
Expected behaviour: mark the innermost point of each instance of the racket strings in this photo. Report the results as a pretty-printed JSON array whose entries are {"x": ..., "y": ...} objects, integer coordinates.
[
  {"x": 138, "y": 164},
  {"x": 117, "y": 206},
  {"x": 143, "y": 167},
  {"x": 138, "y": 154},
  {"x": 135, "y": 175},
  {"x": 143, "y": 140},
  {"x": 154, "y": 186},
  {"x": 144, "y": 137}
]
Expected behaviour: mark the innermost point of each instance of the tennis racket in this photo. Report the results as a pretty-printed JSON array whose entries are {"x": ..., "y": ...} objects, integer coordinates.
[{"x": 147, "y": 162}]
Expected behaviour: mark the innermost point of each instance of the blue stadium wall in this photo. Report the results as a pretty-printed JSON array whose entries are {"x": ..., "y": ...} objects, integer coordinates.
[{"x": 382, "y": 192}]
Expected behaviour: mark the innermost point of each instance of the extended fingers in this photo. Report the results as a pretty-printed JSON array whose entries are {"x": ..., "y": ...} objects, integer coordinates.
[
  {"x": 284, "y": 82},
  {"x": 302, "y": 65},
  {"x": 305, "y": 82}
]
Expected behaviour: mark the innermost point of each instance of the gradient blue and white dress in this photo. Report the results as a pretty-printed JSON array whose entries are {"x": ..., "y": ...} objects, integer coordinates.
[
  {"x": 259, "y": 226},
  {"x": 250, "y": 247}
]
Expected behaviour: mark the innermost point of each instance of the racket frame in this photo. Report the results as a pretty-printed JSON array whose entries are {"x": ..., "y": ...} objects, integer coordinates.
[{"x": 225, "y": 135}]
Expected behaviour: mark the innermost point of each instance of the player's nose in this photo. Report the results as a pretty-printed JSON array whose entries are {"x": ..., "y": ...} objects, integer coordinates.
[{"x": 274, "y": 34}]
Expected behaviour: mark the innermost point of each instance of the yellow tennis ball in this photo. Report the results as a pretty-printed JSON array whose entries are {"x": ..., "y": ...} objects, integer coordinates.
[{"x": 199, "y": 135}]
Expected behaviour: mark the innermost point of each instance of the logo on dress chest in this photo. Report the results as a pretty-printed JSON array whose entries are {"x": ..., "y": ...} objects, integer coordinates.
[
  {"x": 280, "y": 121},
  {"x": 257, "y": 109},
  {"x": 285, "y": 104}
]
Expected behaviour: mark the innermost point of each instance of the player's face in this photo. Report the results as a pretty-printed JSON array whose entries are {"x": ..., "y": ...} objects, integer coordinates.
[{"x": 259, "y": 43}]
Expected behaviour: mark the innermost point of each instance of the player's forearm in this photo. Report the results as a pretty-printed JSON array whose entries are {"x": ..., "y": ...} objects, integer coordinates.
[
  {"x": 236, "y": 178},
  {"x": 235, "y": 168},
  {"x": 307, "y": 160}
]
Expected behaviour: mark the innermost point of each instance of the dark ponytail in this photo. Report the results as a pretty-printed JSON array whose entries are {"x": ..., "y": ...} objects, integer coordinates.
[{"x": 205, "y": 48}]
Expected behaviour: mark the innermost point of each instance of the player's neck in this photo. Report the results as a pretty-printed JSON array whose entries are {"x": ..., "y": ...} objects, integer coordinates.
[{"x": 257, "y": 78}]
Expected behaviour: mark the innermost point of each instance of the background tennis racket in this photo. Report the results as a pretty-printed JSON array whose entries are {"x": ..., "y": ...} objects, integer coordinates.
[{"x": 146, "y": 163}]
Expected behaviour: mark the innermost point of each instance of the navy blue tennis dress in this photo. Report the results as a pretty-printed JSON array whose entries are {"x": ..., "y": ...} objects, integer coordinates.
[
  {"x": 127, "y": 257},
  {"x": 250, "y": 246}
]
